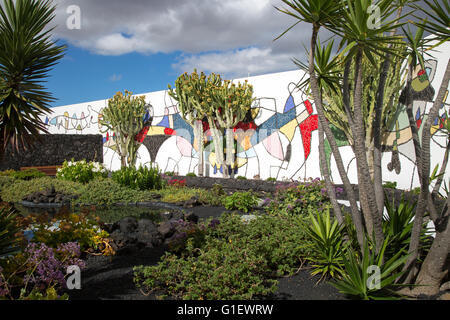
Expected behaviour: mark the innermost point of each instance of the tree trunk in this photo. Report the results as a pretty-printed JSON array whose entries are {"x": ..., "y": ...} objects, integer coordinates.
[
  {"x": 415, "y": 138},
  {"x": 218, "y": 146},
  {"x": 441, "y": 173},
  {"x": 366, "y": 190},
  {"x": 356, "y": 216},
  {"x": 121, "y": 150},
  {"x": 370, "y": 160},
  {"x": 436, "y": 265},
  {"x": 230, "y": 149},
  {"x": 425, "y": 175},
  {"x": 326, "y": 175},
  {"x": 199, "y": 136},
  {"x": 376, "y": 127}
]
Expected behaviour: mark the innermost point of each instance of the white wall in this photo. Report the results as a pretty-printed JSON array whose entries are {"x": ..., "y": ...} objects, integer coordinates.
[{"x": 267, "y": 156}]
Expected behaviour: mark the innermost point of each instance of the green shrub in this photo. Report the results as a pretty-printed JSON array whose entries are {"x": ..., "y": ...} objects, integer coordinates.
[
  {"x": 235, "y": 260},
  {"x": 241, "y": 178},
  {"x": 213, "y": 196},
  {"x": 81, "y": 171},
  {"x": 327, "y": 238},
  {"x": 17, "y": 190},
  {"x": 7, "y": 173},
  {"x": 282, "y": 241},
  {"x": 191, "y": 174},
  {"x": 243, "y": 201},
  {"x": 298, "y": 198},
  {"x": 5, "y": 181},
  {"x": 169, "y": 173},
  {"x": 112, "y": 214},
  {"x": 143, "y": 178},
  {"x": 27, "y": 174},
  {"x": 49, "y": 294},
  {"x": 271, "y": 179},
  {"x": 101, "y": 191},
  {"x": 174, "y": 194},
  {"x": 107, "y": 191},
  {"x": 390, "y": 185}
]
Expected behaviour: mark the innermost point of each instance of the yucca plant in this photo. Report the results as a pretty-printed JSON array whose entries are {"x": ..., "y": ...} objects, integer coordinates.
[
  {"x": 358, "y": 278},
  {"x": 327, "y": 238},
  {"x": 27, "y": 54},
  {"x": 8, "y": 230},
  {"x": 398, "y": 225}
]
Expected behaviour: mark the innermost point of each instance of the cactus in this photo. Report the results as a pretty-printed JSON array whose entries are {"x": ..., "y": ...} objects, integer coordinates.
[
  {"x": 334, "y": 109},
  {"x": 125, "y": 116},
  {"x": 231, "y": 103},
  {"x": 190, "y": 93},
  {"x": 223, "y": 103}
]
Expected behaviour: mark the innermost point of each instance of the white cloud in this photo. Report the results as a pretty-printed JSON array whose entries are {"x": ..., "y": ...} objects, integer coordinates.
[
  {"x": 165, "y": 26},
  {"x": 115, "y": 77},
  {"x": 233, "y": 37},
  {"x": 237, "y": 63}
]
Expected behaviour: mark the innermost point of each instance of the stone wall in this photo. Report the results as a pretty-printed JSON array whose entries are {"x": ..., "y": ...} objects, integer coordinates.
[{"x": 54, "y": 149}]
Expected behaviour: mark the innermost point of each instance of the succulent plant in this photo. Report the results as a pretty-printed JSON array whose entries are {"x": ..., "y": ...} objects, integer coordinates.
[{"x": 127, "y": 117}]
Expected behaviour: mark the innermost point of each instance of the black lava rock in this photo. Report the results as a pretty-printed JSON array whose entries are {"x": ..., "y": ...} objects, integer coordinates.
[
  {"x": 49, "y": 195},
  {"x": 166, "y": 229}
]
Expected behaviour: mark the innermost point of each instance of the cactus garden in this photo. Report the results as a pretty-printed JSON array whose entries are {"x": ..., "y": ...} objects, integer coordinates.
[{"x": 102, "y": 226}]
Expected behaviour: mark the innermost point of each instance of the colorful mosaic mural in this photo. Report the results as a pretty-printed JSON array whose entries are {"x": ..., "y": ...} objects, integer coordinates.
[{"x": 278, "y": 137}]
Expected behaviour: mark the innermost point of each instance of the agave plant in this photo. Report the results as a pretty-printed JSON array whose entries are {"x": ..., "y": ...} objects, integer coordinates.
[
  {"x": 27, "y": 54},
  {"x": 398, "y": 225},
  {"x": 359, "y": 281},
  {"x": 327, "y": 238}
]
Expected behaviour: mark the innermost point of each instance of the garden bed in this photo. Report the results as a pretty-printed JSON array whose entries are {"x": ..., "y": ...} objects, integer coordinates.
[
  {"x": 107, "y": 278},
  {"x": 111, "y": 278},
  {"x": 265, "y": 186},
  {"x": 190, "y": 237}
]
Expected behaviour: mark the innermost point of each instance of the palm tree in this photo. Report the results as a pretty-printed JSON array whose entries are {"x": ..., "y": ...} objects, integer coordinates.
[
  {"x": 348, "y": 19},
  {"x": 321, "y": 13},
  {"x": 361, "y": 42},
  {"x": 27, "y": 54},
  {"x": 436, "y": 264}
]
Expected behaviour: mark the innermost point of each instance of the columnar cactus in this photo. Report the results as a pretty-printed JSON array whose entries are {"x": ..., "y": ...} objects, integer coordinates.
[
  {"x": 334, "y": 107},
  {"x": 223, "y": 103},
  {"x": 125, "y": 116},
  {"x": 190, "y": 92},
  {"x": 231, "y": 103}
]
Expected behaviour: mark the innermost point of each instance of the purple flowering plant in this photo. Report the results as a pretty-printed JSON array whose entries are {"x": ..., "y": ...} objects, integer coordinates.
[{"x": 37, "y": 269}]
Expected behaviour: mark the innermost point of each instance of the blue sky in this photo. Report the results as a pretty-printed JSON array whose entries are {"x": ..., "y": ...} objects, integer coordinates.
[
  {"x": 143, "y": 45},
  {"x": 83, "y": 76}
]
